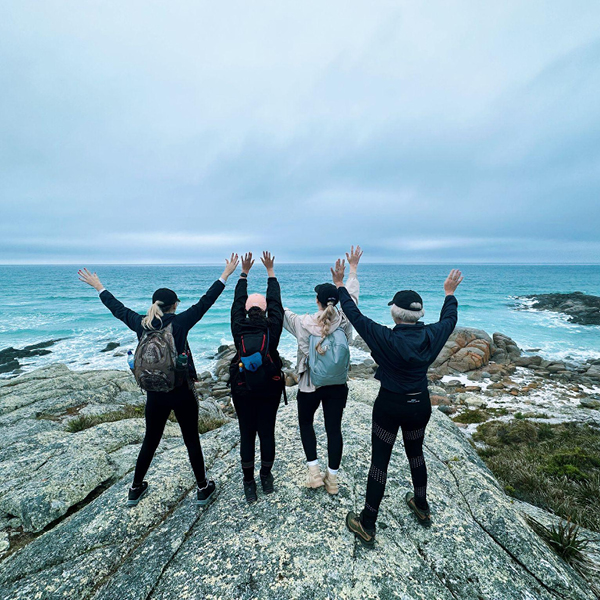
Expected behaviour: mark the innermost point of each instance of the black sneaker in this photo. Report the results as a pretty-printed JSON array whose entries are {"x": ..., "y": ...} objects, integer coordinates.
[
  {"x": 250, "y": 491},
  {"x": 366, "y": 536},
  {"x": 136, "y": 493},
  {"x": 423, "y": 515},
  {"x": 267, "y": 483},
  {"x": 204, "y": 495}
]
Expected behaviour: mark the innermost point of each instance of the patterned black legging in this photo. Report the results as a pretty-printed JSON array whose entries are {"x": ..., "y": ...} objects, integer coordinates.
[{"x": 391, "y": 412}]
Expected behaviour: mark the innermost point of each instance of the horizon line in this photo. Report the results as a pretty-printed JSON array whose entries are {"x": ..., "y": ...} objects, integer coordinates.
[{"x": 220, "y": 264}]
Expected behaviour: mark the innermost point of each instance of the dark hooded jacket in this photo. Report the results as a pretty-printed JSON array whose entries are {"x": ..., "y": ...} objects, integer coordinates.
[
  {"x": 241, "y": 325},
  {"x": 404, "y": 353},
  {"x": 181, "y": 322}
]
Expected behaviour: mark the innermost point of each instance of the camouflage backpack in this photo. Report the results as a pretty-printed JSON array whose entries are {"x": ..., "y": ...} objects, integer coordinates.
[{"x": 155, "y": 360}]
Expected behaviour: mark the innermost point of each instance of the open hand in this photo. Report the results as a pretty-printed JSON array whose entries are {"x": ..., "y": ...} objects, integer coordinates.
[
  {"x": 268, "y": 261},
  {"x": 247, "y": 262},
  {"x": 338, "y": 273},
  {"x": 90, "y": 279},
  {"x": 452, "y": 282},
  {"x": 230, "y": 266},
  {"x": 354, "y": 257}
]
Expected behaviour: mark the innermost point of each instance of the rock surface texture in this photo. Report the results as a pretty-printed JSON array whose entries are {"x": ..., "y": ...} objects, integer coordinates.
[{"x": 292, "y": 544}]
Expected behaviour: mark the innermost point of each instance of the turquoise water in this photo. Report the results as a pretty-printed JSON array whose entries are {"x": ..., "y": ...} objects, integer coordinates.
[{"x": 40, "y": 303}]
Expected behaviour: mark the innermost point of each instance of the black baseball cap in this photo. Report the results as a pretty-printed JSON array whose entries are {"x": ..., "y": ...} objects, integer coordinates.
[
  {"x": 327, "y": 292},
  {"x": 166, "y": 296},
  {"x": 405, "y": 298}
]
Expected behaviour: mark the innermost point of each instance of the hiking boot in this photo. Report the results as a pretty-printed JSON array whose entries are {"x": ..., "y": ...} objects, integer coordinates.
[
  {"x": 267, "y": 483},
  {"x": 250, "y": 491},
  {"x": 136, "y": 493},
  {"x": 314, "y": 478},
  {"x": 331, "y": 483},
  {"x": 205, "y": 495},
  {"x": 366, "y": 536},
  {"x": 423, "y": 515}
]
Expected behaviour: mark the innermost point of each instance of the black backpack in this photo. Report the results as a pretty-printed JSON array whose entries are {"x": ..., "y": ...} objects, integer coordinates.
[{"x": 256, "y": 365}]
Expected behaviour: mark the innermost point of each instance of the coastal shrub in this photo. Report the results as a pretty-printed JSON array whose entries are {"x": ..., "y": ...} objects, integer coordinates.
[
  {"x": 573, "y": 464},
  {"x": 553, "y": 466},
  {"x": 471, "y": 416},
  {"x": 501, "y": 433},
  {"x": 82, "y": 422},
  {"x": 206, "y": 424},
  {"x": 568, "y": 541}
]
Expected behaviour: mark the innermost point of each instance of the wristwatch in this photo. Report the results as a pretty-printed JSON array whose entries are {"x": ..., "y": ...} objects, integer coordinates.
[{"x": 242, "y": 274}]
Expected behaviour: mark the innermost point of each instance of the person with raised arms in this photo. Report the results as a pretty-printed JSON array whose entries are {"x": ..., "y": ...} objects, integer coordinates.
[
  {"x": 403, "y": 355},
  {"x": 323, "y": 360},
  {"x": 256, "y": 377},
  {"x": 164, "y": 368}
]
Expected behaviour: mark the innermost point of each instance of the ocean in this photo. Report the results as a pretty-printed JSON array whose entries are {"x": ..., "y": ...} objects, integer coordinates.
[{"x": 41, "y": 303}]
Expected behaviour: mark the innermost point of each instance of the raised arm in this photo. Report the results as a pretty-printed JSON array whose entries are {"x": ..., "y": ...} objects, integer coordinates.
[
  {"x": 290, "y": 321},
  {"x": 238, "y": 308},
  {"x": 368, "y": 329},
  {"x": 132, "y": 319},
  {"x": 188, "y": 318},
  {"x": 449, "y": 313},
  {"x": 352, "y": 284},
  {"x": 274, "y": 305}
]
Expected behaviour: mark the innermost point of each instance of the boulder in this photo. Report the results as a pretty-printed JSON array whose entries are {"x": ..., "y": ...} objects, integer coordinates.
[
  {"x": 294, "y": 543},
  {"x": 593, "y": 372},
  {"x": 110, "y": 346},
  {"x": 45, "y": 470},
  {"x": 528, "y": 361},
  {"x": 9, "y": 357},
  {"x": 505, "y": 349},
  {"x": 359, "y": 343},
  {"x": 467, "y": 349}
]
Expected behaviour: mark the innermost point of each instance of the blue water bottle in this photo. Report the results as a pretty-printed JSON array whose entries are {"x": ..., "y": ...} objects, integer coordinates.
[{"x": 130, "y": 359}]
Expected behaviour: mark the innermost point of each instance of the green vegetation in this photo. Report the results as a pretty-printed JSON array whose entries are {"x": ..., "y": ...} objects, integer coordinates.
[
  {"x": 555, "y": 467},
  {"x": 127, "y": 412},
  {"x": 208, "y": 424},
  {"x": 82, "y": 422},
  {"x": 530, "y": 415},
  {"x": 86, "y": 421},
  {"x": 471, "y": 416},
  {"x": 568, "y": 542}
]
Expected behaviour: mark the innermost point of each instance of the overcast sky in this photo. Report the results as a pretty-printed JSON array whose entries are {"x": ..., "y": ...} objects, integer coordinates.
[{"x": 145, "y": 131}]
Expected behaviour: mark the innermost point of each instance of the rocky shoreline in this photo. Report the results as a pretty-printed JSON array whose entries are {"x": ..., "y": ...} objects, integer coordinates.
[
  {"x": 69, "y": 439},
  {"x": 67, "y": 533},
  {"x": 580, "y": 308}
]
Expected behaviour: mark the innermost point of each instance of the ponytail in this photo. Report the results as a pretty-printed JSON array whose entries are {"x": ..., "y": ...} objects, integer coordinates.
[
  {"x": 154, "y": 312},
  {"x": 325, "y": 319}
]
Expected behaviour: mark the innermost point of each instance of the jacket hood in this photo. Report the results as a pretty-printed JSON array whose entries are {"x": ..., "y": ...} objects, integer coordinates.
[{"x": 312, "y": 324}]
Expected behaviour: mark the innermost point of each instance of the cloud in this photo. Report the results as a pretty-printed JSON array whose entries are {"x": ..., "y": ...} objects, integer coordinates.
[{"x": 173, "y": 133}]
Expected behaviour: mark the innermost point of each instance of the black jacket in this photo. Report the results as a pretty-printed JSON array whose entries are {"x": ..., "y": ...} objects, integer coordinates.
[
  {"x": 181, "y": 322},
  {"x": 240, "y": 323},
  {"x": 405, "y": 352}
]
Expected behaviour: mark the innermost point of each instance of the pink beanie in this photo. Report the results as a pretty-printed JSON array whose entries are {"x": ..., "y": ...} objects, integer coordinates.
[{"x": 256, "y": 300}]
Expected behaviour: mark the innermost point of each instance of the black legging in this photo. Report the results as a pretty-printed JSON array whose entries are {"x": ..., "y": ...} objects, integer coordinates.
[
  {"x": 158, "y": 407},
  {"x": 411, "y": 413},
  {"x": 256, "y": 415},
  {"x": 334, "y": 399}
]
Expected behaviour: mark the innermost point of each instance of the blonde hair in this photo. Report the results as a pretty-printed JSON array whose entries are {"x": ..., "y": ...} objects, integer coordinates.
[
  {"x": 325, "y": 319},
  {"x": 407, "y": 316},
  {"x": 154, "y": 312}
]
